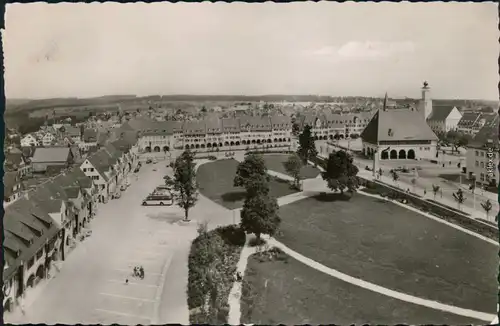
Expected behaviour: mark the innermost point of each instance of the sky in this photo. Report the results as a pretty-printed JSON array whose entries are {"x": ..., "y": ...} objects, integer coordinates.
[{"x": 325, "y": 48}]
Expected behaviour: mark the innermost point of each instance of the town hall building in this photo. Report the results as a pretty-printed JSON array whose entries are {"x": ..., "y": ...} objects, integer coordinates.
[{"x": 401, "y": 134}]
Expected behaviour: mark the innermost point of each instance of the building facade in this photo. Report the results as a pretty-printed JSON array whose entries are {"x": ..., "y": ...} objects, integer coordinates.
[{"x": 483, "y": 155}]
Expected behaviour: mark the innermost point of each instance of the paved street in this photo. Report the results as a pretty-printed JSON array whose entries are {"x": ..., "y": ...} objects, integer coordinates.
[{"x": 90, "y": 287}]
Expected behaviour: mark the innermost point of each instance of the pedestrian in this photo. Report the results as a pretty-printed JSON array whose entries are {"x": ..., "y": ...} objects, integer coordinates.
[
  {"x": 126, "y": 281},
  {"x": 425, "y": 192},
  {"x": 141, "y": 271}
]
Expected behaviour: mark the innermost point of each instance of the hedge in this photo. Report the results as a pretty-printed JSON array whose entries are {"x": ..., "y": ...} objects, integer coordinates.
[{"x": 213, "y": 253}]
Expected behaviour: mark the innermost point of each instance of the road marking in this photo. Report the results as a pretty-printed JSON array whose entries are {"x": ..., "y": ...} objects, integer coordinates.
[
  {"x": 125, "y": 297},
  {"x": 122, "y": 314},
  {"x": 131, "y": 271},
  {"x": 133, "y": 283}
]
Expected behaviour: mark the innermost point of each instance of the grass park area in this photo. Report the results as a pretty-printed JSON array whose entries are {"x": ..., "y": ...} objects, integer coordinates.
[
  {"x": 388, "y": 245},
  {"x": 282, "y": 290},
  {"x": 274, "y": 162},
  {"x": 215, "y": 180}
]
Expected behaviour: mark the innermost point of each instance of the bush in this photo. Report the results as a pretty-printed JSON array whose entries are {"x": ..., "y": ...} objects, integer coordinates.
[{"x": 212, "y": 263}]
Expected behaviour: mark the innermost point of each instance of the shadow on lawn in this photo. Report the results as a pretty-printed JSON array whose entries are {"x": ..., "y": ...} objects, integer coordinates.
[
  {"x": 234, "y": 196},
  {"x": 331, "y": 197}
]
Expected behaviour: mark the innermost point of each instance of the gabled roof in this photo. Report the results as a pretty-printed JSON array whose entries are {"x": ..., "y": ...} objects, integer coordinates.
[
  {"x": 230, "y": 125},
  {"x": 213, "y": 125},
  {"x": 77, "y": 174},
  {"x": 51, "y": 154},
  {"x": 255, "y": 123},
  {"x": 26, "y": 228},
  {"x": 487, "y": 136},
  {"x": 397, "y": 124},
  {"x": 90, "y": 135},
  {"x": 102, "y": 162},
  {"x": 194, "y": 127},
  {"x": 440, "y": 113},
  {"x": 468, "y": 119}
]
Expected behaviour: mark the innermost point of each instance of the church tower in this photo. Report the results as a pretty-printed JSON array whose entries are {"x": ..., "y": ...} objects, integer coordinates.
[{"x": 425, "y": 104}]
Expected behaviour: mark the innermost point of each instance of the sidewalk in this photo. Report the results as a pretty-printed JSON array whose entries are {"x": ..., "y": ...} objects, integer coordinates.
[{"x": 446, "y": 199}]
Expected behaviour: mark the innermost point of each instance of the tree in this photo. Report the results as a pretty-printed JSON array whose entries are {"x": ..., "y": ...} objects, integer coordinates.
[
  {"x": 457, "y": 140},
  {"x": 293, "y": 166},
  {"x": 251, "y": 169},
  {"x": 203, "y": 109},
  {"x": 295, "y": 128},
  {"x": 459, "y": 197},
  {"x": 259, "y": 215},
  {"x": 185, "y": 188},
  {"x": 340, "y": 172},
  {"x": 487, "y": 206},
  {"x": 435, "y": 190},
  {"x": 307, "y": 147},
  {"x": 395, "y": 176}
]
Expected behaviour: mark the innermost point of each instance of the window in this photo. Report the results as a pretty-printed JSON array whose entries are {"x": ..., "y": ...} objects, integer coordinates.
[
  {"x": 39, "y": 254},
  {"x": 482, "y": 165},
  {"x": 91, "y": 169},
  {"x": 95, "y": 177},
  {"x": 477, "y": 163},
  {"x": 31, "y": 262},
  {"x": 84, "y": 169},
  {"x": 482, "y": 176}
]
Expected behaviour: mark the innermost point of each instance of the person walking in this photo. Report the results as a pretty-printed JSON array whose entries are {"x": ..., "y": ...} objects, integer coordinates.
[{"x": 126, "y": 281}]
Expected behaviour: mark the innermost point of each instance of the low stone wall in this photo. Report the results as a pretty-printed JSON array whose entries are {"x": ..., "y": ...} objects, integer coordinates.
[{"x": 441, "y": 211}]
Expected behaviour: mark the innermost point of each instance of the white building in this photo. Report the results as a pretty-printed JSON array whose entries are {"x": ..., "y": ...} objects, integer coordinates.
[
  {"x": 48, "y": 139},
  {"x": 29, "y": 140},
  {"x": 483, "y": 156},
  {"x": 444, "y": 118}
]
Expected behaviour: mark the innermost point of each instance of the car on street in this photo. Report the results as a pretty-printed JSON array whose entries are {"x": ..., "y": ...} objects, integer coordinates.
[
  {"x": 123, "y": 187},
  {"x": 117, "y": 195},
  {"x": 149, "y": 161},
  {"x": 158, "y": 200},
  {"x": 155, "y": 161}
]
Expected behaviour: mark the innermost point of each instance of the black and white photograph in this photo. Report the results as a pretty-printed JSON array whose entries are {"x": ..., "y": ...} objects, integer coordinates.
[{"x": 251, "y": 163}]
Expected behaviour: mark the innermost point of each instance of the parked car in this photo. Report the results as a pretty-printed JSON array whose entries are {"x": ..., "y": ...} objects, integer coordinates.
[
  {"x": 158, "y": 199},
  {"x": 117, "y": 195},
  {"x": 137, "y": 169},
  {"x": 155, "y": 161},
  {"x": 149, "y": 161},
  {"x": 123, "y": 187}
]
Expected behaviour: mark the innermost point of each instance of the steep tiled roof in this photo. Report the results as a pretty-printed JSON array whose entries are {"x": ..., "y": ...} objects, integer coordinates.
[
  {"x": 51, "y": 154},
  {"x": 468, "y": 119},
  {"x": 230, "y": 125},
  {"x": 77, "y": 174},
  {"x": 397, "y": 124},
  {"x": 213, "y": 125},
  {"x": 194, "y": 127},
  {"x": 26, "y": 228},
  {"x": 101, "y": 161},
  {"x": 487, "y": 136},
  {"x": 255, "y": 123},
  {"x": 90, "y": 135},
  {"x": 440, "y": 113},
  {"x": 281, "y": 121}
]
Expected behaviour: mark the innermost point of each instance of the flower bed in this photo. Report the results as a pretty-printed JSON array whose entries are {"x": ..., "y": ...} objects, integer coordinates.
[{"x": 212, "y": 265}]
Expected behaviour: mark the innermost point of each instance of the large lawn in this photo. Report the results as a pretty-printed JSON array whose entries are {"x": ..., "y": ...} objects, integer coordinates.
[
  {"x": 274, "y": 162},
  {"x": 391, "y": 246},
  {"x": 215, "y": 180},
  {"x": 289, "y": 292}
]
